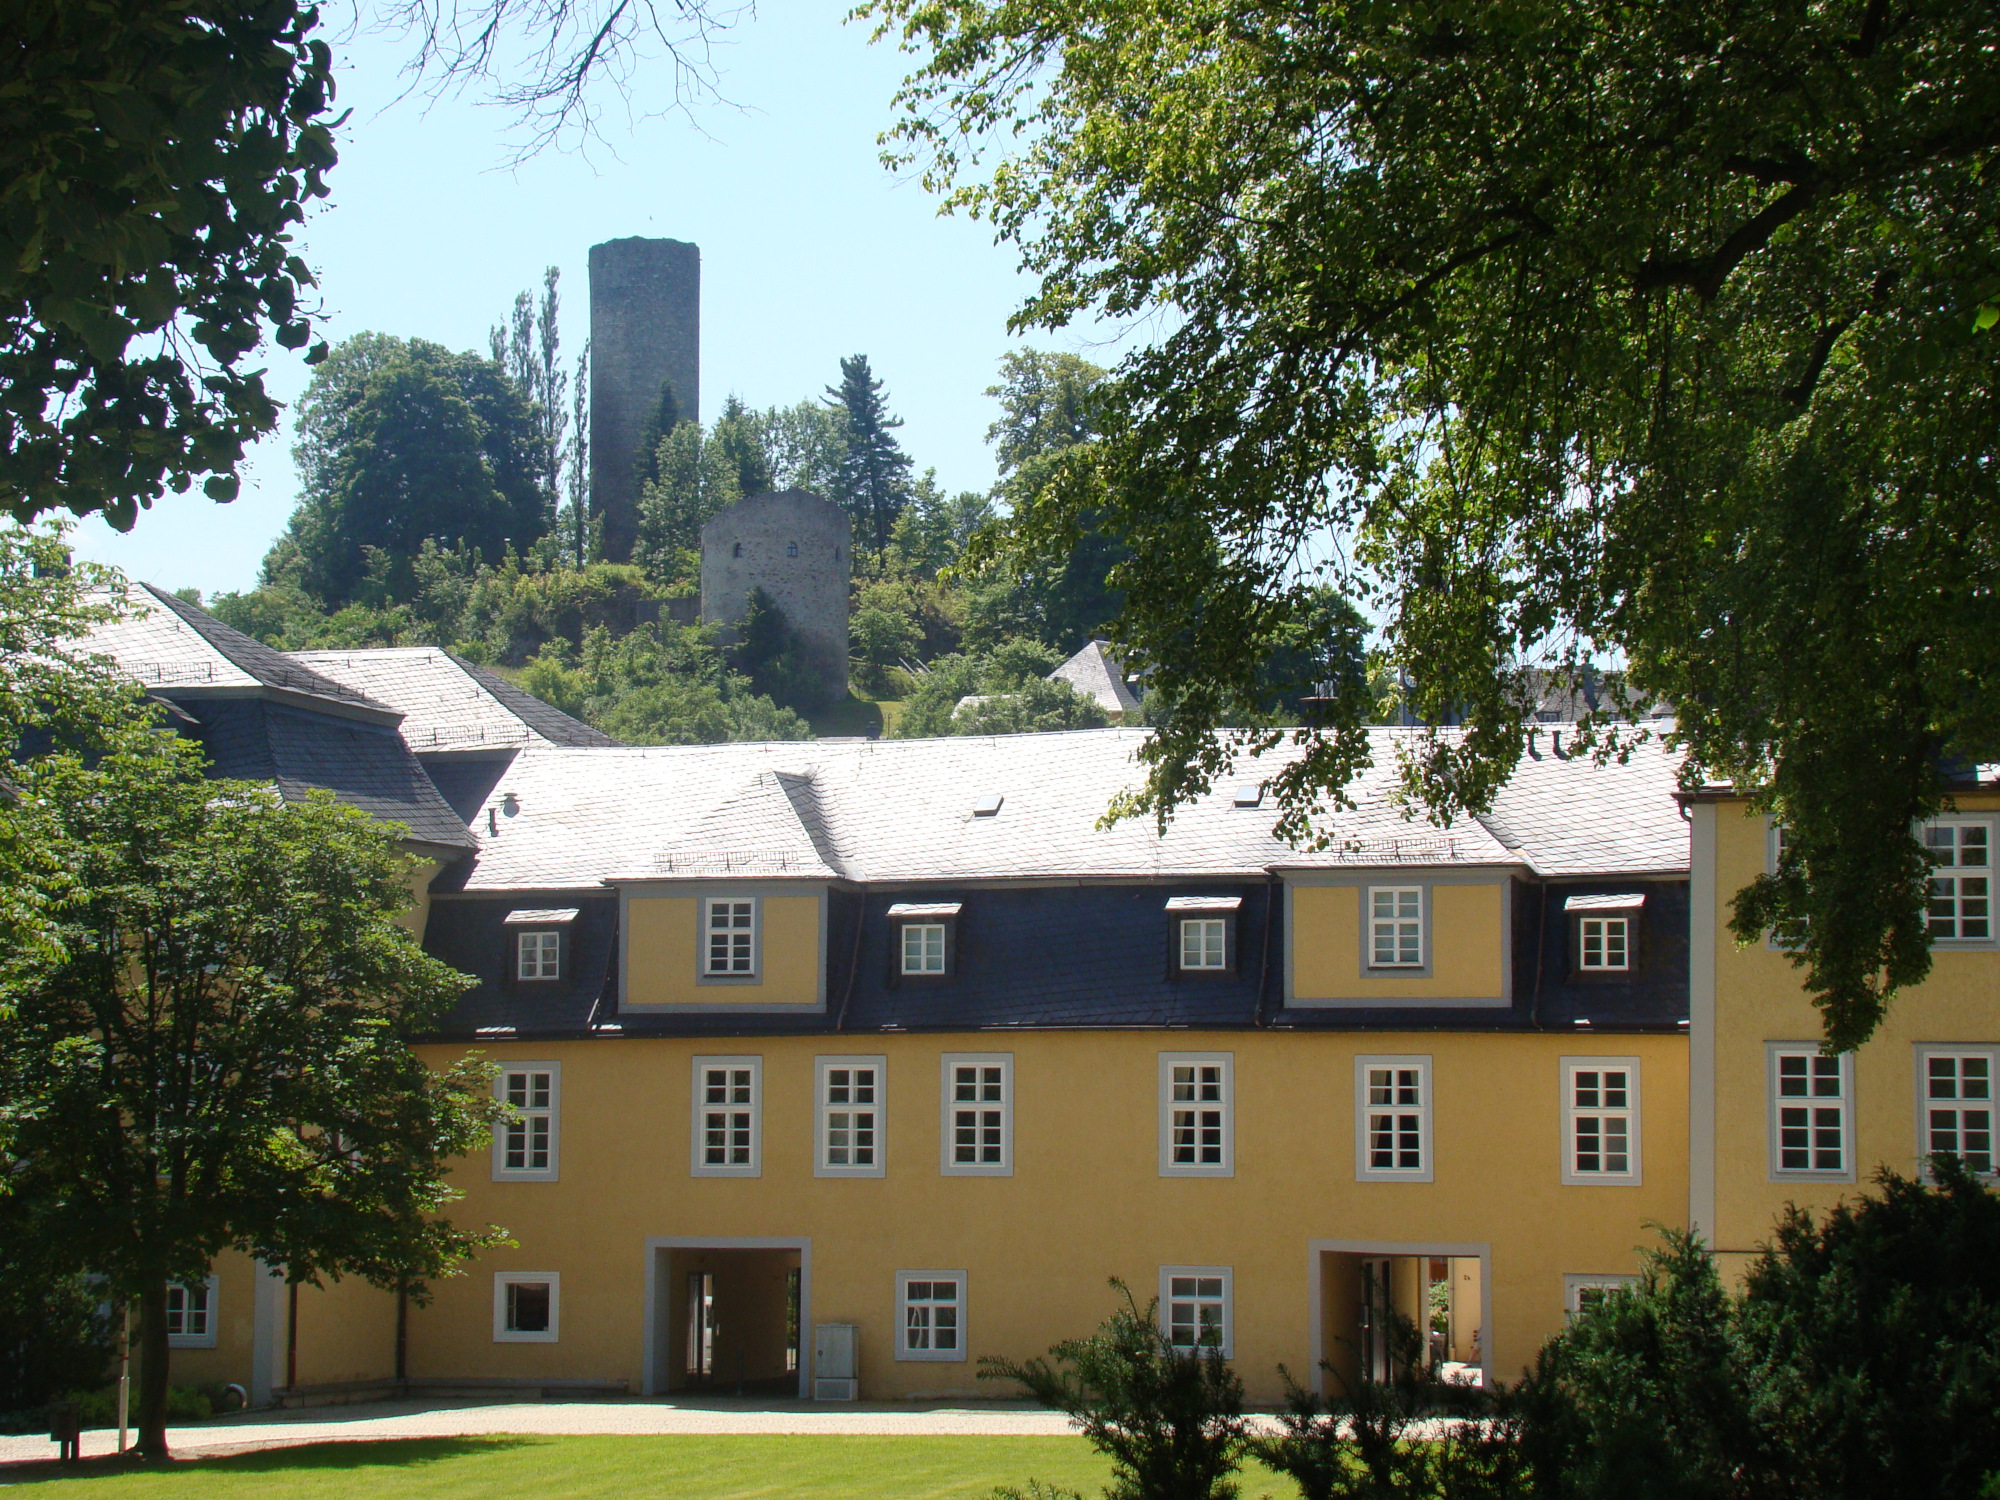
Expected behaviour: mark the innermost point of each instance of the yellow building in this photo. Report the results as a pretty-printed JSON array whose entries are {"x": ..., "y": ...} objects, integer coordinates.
[
  {"x": 835, "y": 1066},
  {"x": 1772, "y": 1121}
]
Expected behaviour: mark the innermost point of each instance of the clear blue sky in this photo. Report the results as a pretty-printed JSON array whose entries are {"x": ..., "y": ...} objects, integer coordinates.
[{"x": 810, "y": 251}]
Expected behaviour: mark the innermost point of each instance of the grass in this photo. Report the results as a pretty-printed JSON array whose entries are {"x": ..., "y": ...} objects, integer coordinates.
[
  {"x": 852, "y": 715},
  {"x": 629, "y": 1468}
]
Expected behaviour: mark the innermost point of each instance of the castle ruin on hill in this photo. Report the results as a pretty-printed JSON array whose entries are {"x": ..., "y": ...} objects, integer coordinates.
[{"x": 645, "y": 337}]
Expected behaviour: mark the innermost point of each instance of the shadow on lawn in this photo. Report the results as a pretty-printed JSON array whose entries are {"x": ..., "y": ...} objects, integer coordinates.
[{"x": 355, "y": 1454}]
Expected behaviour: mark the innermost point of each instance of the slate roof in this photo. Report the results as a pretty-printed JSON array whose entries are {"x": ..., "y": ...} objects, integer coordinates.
[
  {"x": 1094, "y": 673},
  {"x": 901, "y": 811},
  {"x": 364, "y": 765},
  {"x": 448, "y": 704},
  {"x": 169, "y": 645}
]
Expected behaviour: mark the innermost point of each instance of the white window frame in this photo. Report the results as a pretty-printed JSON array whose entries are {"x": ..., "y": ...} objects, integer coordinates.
[
  {"x": 704, "y": 959},
  {"x": 822, "y": 1111},
  {"x": 502, "y": 1334},
  {"x": 1368, "y": 928},
  {"x": 1991, "y": 1056},
  {"x": 1773, "y": 1053},
  {"x": 921, "y": 930},
  {"x": 211, "y": 1288},
  {"x": 1208, "y": 926},
  {"x": 1572, "y": 1112},
  {"x": 1226, "y": 1062},
  {"x": 948, "y": 1107},
  {"x": 1984, "y": 873},
  {"x": 903, "y": 1306},
  {"x": 698, "y": 1164},
  {"x": 1426, "y": 1137},
  {"x": 1606, "y": 921},
  {"x": 539, "y": 936},
  {"x": 1575, "y": 1286},
  {"x": 1227, "y": 1275},
  {"x": 551, "y": 1173}
]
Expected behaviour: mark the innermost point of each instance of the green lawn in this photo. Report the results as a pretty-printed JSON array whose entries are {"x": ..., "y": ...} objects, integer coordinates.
[{"x": 629, "y": 1468}]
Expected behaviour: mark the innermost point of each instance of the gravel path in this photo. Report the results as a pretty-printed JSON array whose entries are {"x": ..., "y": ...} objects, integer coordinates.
[{"x": 409, "y": 1419}]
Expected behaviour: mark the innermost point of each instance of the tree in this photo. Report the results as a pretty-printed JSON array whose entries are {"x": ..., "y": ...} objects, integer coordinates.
[
  {"x": 739, "y": 438},
  {"x": 873, "y": 483},
  {"x": 156, "y": 158},
  {"x": 693, "y": 478},
  {"x": 1170, "y": 1419},
  {"x": 400, "y": 441},
  {"x": 205, "y": 997},
  {"x": 1551, "y": 334},
  {"x": 806, "y": 445},
  {"x": 529, "y": 348}
]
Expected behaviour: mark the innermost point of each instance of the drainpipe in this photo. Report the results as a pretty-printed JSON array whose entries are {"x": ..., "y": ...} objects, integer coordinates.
[
  {"x": 1541, "y": 941},
  {"x": 292, "y": 1340},
  {"x": 854, "y": 964},
  {"x": 402, "y": 1336}
]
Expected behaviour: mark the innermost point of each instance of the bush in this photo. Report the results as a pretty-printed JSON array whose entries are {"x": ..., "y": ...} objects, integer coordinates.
[
  {"x": 1170, "y": 1420},
  {"x": 54, "y": 1336}
]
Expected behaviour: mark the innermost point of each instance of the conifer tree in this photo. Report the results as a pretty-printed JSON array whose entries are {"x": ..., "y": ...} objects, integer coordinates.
[{"x": 874, "y": 482}]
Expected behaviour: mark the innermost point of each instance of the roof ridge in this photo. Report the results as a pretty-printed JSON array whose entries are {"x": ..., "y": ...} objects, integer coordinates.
[{"x": 266, "y": 664}]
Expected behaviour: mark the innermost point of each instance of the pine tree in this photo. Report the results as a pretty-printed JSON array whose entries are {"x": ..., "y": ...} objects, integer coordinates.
[
  {"x": 874, "y": 482},
  {"x": 739, "y": 442}
]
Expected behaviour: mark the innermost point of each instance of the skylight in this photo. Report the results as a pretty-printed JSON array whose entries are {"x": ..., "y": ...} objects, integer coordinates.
[
  {"x": 988, "y": 805},
  {"x": 1249, "y": 794}
]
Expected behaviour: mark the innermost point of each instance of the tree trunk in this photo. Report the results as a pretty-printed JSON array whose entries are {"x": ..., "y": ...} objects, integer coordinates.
[{"x": 153, "y": 1354}]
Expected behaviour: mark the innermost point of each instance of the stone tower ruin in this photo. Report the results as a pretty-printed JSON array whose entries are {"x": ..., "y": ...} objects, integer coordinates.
[
  {"x": 795, "y": 547},
  {"x": 645, "y": 332}
]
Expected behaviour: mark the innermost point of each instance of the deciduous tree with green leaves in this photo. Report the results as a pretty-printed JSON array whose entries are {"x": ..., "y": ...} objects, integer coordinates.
[
  {"x": 205, "y": 1005},
  {"x": 1558, "y": 335}
]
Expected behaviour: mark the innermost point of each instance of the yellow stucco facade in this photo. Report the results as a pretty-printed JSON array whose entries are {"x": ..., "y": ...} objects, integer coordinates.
[{"x": 1747, "y": 997}]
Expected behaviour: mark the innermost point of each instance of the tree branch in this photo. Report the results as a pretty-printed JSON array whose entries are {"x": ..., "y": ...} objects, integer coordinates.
[{"x": 1706, "y": 275}]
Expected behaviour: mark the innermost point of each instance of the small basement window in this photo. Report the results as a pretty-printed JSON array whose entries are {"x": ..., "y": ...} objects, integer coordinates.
[{"x": 526, "y": 1307}]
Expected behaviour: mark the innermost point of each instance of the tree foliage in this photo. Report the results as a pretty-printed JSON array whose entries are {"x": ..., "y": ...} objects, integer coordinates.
[
  {"x": 1861, "y": 1360},
  {"x": 1553, "y": 333},
  {"x": 401, "y": 442},
  {"x": 205, "y": 997},
  {"x": 1170, "y": 1420},
  {"x": 155, "y": 158},
  {"x": 873, "y": 481}
]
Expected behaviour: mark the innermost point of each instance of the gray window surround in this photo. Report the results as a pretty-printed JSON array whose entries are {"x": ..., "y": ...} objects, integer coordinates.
[
  {"x": 696, "y": 890},
  {"x": 212, "y": 1285},
  {"x": 1774, "y": 1173},
  {"x": 1922, "y": 1053},
  {"x": 553, "y": 1171},
  {"x": 1429, "y": 879},
  {"x": 1570, "y": 1177},
  {"x": 1424, "y": 1063},
  {"x": 1975, "y": 944}
]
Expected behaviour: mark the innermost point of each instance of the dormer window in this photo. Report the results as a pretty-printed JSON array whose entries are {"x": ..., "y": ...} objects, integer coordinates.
[
  {"x": 539, "y": 937},
  {"x": 1202, "y": 933},
  {"x": 1604, "y": 933},
  {"x": 925, "y": 939}
]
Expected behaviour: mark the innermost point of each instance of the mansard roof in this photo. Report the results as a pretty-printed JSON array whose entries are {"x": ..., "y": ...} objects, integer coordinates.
[
  {"x": 449, "y": 705},
  {"x": 904, "y": 811}
]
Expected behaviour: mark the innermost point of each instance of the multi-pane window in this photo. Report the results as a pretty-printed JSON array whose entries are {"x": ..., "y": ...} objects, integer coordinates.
[
  {"x": 729, "y": 937},
  {"x": 524, "y": 1145},
  {"x": 538, "y": 955},
  {"x": 1810, "y": 1114},
  {"x": 1600, "y": 1119},
  {"x": 1197, "y": 1129},
  {"x": 923, "y": 947},
  {"x": 1605, "y": 942},
  {"x": 1956, "y": 1105},
  {"x": 728, "y": 1134},
  {"x": 933, "y": 1314},
  {"x": 1961, "y": 903},
  {"x": 1393, "y": 1118},
  {"x": 1194, "y": 1307},
  {"x": 191, "y": 1314},
  {"x": 978, "y": 1121},
  {"x": 1396, "y": 927},
  {"x": 526, "y": 1307},
  {"x": 1585, "y": 1294},
  {"x": 1204, "y": 942},
  {"x": 850, "y": 1116}
]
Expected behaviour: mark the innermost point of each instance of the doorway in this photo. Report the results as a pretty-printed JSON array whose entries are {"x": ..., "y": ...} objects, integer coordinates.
[
  {"x": 1379, "y": 1307},
  {"x": 727, "y": 1317}
]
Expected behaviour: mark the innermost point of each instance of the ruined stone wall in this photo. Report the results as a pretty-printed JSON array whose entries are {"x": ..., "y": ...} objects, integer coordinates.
[
  {"x": 795, "y": 547},
  {"x": 645, "y": 330}
]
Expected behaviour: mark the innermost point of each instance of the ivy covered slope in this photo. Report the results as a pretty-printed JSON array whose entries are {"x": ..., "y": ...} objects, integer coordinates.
[{"x": 1557, "y": 331}]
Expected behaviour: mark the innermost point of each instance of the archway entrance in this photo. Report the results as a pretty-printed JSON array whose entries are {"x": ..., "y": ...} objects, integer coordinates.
[{"x": 728, "y": 1317}]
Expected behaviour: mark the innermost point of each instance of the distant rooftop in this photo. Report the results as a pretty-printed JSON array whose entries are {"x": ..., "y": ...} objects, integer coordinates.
[{"x": 448, "y": 704}]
